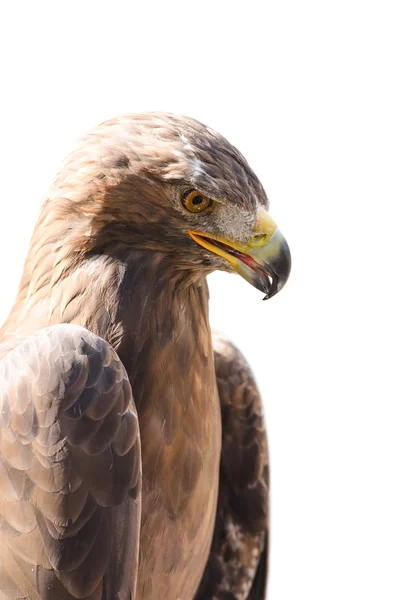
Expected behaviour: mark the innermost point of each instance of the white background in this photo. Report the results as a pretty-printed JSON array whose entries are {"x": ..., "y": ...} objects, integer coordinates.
[{"x": 309, "y": 92}]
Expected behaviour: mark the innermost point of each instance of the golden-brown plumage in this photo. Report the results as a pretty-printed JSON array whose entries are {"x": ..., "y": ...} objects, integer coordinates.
[
  {"x": 70, "y": 476},
  {"x": 110, "y": 322}
]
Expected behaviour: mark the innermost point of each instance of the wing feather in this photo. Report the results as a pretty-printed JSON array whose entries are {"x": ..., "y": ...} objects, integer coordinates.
[
  {"x": 70, "y": 470},
  {"x": 237, "y": 565}
]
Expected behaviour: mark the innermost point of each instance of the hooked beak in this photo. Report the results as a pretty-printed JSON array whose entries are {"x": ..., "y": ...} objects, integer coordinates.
[{"x": 264, "y": 261}]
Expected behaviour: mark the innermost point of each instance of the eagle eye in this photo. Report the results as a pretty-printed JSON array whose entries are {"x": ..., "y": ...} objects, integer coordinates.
[{"x": 196, "y": 202}]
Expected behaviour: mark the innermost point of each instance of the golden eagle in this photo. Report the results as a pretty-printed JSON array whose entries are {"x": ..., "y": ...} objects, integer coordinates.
[{"x": 133, "y": 455}]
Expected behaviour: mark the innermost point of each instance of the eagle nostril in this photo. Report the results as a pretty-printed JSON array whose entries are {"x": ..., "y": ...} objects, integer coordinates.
[{"x": 257, "y": 240}]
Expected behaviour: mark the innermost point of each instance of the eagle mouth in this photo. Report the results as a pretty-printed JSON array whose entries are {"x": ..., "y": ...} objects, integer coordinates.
[
  {"x": 257, "y": 272},
  {"x": 245, "y": 258},
  {"x": 269, "y": 279}
]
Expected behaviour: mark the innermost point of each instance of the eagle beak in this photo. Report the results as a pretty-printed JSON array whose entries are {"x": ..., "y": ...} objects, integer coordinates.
[{"x": 264, "y": 261}]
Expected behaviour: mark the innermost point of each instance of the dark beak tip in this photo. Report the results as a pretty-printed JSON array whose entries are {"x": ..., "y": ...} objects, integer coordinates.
[{"x": 279, "y": 273}]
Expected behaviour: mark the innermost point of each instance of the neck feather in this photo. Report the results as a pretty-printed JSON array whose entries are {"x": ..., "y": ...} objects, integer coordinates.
[{"x": 129, "y": 298}]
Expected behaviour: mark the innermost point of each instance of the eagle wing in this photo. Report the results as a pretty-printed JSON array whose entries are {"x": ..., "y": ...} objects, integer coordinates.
[
  {"x": 70, "y": 470},
  {"x": 237, "y": 565}
]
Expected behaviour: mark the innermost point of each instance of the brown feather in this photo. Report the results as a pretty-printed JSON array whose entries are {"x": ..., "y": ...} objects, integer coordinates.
[
  {"x": 237, "y": 566},
  {"x": 62, "y": 527}
]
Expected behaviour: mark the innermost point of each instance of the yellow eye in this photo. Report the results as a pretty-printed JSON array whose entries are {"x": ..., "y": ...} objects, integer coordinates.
[{"x": 196, "y": 202}]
